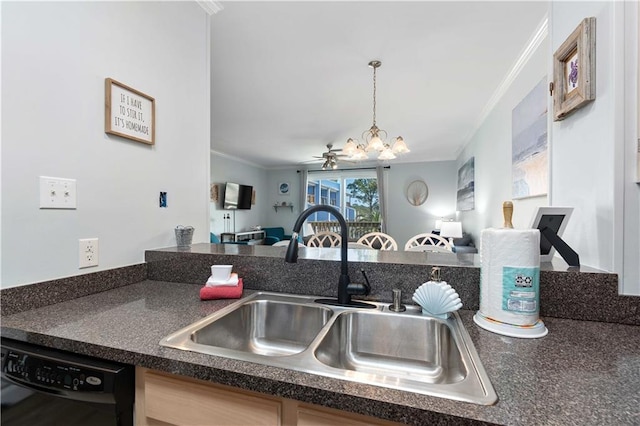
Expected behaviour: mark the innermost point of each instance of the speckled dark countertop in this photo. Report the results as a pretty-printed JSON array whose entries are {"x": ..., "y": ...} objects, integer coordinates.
[{"x": 582, "y": 373}]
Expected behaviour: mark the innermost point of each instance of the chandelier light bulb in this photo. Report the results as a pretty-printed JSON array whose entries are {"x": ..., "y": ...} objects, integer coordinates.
[
  {"x": 360, "y": 154},
  {"x": 386, "y": 154},
  {"x": 375, "y": 144},
  {"x": 399, "y": 147},
  {"x": 350, "y": 147}
]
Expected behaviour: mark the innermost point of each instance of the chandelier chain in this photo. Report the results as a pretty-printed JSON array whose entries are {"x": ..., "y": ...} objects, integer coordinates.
[{"x": 374, "y": 96}]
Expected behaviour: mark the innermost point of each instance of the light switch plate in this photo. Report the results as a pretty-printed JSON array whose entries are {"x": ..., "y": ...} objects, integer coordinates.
[{"x": 57, "y": 193}]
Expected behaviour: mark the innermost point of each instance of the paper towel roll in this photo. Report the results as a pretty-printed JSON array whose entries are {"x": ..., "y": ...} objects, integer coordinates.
[{"x": 510, "y": 275}]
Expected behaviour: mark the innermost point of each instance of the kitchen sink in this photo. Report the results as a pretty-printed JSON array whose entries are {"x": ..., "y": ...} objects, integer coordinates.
[
  {"x": 265, "y": 327},
  {"x": 418, "y": 348},
  {"x": 407, "y": 351}
]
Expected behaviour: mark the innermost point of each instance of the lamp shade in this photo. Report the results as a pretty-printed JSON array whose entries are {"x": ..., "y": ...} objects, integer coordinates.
[
  {"x": 438, "y": 224},
  {"x": 451, "y": 230},
  {"x": 307, "y": 229},
  {"x": 386, "y": 154}
]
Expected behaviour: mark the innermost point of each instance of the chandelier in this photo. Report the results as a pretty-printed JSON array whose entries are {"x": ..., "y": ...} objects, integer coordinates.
[{"x": 374, "y": 139}]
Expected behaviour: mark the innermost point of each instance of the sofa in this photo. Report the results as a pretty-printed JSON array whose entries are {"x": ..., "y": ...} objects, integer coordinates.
[
  {"x": 464, "y": 244},
  {"x": 461, "y": 245},
  {"x": 275, "y": 234}
]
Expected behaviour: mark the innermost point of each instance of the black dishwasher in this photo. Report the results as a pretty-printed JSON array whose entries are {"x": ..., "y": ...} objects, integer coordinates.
[{"x": 71, "y": 389}]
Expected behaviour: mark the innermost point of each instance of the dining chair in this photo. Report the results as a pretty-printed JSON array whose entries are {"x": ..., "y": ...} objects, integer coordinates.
[
  {"x": 324, "y": 239},
  {"x": 428, "y": 242},
  {"x": 379, "y": 240}
]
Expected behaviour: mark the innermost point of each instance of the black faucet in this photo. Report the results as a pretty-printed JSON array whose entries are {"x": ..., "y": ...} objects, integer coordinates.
[{"x": 345, "y": 287}]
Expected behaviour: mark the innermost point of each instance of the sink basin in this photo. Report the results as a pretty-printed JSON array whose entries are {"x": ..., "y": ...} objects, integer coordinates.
[
  {"x": 265, "y": 327},
  {"x": 406, "y": 351},
  {"x": 419, "y": 348}
]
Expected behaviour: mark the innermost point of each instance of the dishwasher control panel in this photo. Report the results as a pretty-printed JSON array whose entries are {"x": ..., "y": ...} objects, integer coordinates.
[{"x": 48, "y": 373}]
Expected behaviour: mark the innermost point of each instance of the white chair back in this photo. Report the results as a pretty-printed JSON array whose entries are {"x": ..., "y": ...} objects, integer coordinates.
[
  {"x": 379, "y": 240},
  {"x": 432, "y": 242},
  {"x": 324, "y": 239}
]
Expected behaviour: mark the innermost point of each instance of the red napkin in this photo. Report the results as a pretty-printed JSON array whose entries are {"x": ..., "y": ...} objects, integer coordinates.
[{"x": 221, "y": 292}]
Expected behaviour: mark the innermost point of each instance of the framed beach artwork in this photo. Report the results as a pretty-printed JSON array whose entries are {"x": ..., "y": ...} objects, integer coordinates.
[
  {"x": 466, "y": 186},
  {"x": 574, "y": 70},
  {"x": 529, "y": 147}
]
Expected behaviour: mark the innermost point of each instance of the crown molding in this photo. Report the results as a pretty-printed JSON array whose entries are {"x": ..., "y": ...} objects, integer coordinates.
[
  {"x": 210, "y": 6},
  {"x": 532, "y": 45},
  {"x": 238, "y": 159}
]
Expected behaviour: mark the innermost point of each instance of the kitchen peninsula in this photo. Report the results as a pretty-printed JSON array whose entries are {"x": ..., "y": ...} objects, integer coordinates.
[{"x": 586, "y": 371}]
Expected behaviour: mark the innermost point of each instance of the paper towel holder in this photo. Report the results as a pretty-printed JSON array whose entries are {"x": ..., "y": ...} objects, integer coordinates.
[{"x": 551, "y": 221}]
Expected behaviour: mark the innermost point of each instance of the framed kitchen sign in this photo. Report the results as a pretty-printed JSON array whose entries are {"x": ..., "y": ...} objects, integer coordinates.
[
  {"x": 574, "y": 70},
  {"x": 129, "y": 113}
]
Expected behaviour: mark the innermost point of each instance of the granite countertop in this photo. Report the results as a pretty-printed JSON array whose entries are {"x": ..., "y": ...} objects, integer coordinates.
[{"x": 583, "y": 372}]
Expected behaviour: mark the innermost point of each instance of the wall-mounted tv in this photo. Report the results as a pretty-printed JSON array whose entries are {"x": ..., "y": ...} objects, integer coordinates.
[{"x": 237, "y": 197}]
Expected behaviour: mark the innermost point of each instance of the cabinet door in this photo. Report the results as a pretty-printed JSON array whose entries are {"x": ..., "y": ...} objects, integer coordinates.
[
  {"x": 312, "y": 416},
  {"x": 179, "y": 401}
]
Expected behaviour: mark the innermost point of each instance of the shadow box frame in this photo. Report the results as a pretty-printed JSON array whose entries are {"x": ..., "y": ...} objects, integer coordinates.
[{"x": 580, "y": 48}]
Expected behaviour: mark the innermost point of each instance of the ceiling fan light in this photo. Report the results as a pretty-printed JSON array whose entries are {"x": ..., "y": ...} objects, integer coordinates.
[
  {"x": 399, "y": 147},
  {"x": 386, "y": 154},
  {"x": 350, "y": 147}
]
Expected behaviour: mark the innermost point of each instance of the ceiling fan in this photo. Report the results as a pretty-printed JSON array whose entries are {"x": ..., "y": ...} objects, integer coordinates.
[{"x": 330, "y": 157}]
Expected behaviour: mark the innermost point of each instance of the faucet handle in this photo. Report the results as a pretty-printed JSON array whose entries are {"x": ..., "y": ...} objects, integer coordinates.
[{"x": 358, "y": 288}]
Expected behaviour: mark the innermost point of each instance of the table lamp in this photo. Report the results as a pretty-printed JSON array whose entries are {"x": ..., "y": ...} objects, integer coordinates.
[{"x": 451, "y": 230}]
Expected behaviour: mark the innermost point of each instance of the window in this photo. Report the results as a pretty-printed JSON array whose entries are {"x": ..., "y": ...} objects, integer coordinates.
[{"x": 353, "y": 193}]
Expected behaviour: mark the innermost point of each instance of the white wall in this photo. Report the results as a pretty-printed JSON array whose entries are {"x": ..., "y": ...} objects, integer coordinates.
[
  {"x": 55, "y": 57},
  {"x": 491, "y": 147},
  {"x": 631, "y": 234},
  {"x": 406, "y": 220},
  {"x": 593, "y": 168},
  {"x": 226, "y": 169},
  {"x": 583, "y": 144}
]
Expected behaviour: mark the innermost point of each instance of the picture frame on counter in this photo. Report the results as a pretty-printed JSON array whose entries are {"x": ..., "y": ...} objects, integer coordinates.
[
  {"x": 574, "y": 70},
  {"x": 129, "y": 113}
]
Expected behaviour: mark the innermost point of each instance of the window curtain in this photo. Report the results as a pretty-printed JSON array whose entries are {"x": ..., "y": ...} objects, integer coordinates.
[
  {"x": 302, "y": 199},
  {"x": 382, "y": 197}
]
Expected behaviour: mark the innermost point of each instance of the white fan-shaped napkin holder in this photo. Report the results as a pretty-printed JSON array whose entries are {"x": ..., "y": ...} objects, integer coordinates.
[{"x": 437, "y": 298}]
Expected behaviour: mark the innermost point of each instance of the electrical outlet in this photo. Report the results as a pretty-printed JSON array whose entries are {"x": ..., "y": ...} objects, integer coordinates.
[{"x": 88, "y": 249}]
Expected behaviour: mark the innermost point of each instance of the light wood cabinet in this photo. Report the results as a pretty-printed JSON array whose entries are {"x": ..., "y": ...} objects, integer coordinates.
[
  {"x": 308, "y": 415},
  {"x": 164, "y": 399}
]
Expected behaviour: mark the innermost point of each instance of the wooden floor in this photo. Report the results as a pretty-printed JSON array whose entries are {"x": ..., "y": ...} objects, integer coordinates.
[{"x": 43, "y": 410}]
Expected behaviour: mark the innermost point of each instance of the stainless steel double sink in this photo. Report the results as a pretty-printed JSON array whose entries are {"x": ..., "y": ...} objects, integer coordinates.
[{"x": 407, "y": 351}]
